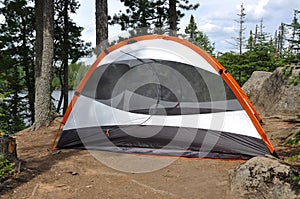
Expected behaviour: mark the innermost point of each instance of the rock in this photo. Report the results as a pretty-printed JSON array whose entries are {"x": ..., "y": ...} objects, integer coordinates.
[
  {"x": 271, "y": 94},
  {"x": 264, "y": 177},
  {"x": 74, "y": 173},
  {"x": 254, "y": 84}
]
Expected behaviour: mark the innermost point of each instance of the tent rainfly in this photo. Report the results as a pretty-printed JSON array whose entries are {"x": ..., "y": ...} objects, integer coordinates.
[{"x": 162, "y": 95}]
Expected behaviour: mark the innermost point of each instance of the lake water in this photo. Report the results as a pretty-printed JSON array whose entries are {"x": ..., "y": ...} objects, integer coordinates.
[{"x": 56, "y": 96}]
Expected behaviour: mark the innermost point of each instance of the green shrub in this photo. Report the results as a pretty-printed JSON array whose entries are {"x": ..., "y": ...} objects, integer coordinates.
[
  {"x": 6, "y": 168},
  {"x": 294, "y": 141},
  {"x": 296, "y": 179},
  {"x": 294, "y": 157}
]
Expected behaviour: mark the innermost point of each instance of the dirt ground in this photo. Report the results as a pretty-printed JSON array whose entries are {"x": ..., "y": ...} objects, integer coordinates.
[{"x": 78, "y": 174}]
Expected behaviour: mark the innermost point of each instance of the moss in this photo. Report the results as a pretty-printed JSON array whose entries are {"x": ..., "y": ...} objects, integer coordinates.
[{"x": 6, "y": 169}]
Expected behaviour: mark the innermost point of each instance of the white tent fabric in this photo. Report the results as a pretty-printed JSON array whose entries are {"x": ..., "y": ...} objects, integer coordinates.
[
  {"x": 99, "y": 114},
  {"x": 159, "y": 49}
]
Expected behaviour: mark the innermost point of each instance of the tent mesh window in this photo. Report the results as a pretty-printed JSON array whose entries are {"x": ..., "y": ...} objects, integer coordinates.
[{"x": 160, "y": 87}]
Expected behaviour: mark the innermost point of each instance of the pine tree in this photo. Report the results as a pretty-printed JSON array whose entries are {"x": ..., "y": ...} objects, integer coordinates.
[
  {"x": 65, "y": 55},
  {"x": 68, "y": 45},
  {"x": 255, "y": 35},
  {"x": 281, "y": 36},
  {"x": 241, "y": 20},
  {"x": 198, "y": 37},
  {"x": 250, "y": 44},
  {"x": 16, "y": 64},
  {"x": 231, "y": 61},
  {"x": 44, "y": 57},
  {"x": 192, "y": 28},
  {"x": 276, "y": 40},
  {"x": 261, "y": 57},
  {"x": 172, "y": 16},
  {"x": 294, "y": 39},
  {"x": 262, "y": 36},
  {"x": 17, "y": 51},
  {"x": 101, "y": 21},
  {"x": 145, "y": 13}
]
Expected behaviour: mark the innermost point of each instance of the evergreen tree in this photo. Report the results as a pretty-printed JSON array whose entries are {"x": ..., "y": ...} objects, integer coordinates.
[
  {"x": 262, "y": 36},
  {"x": 198, "y": 37},
  {"x": 250, "y": 43},
  {"x": 16, "y": 64},
  {"x": 44, "y": 60},
  {"x": 68, "y": 45},
  {"x": 76, "y": 73},
  {"x": 294, "y": 39},
  {"x": 191, "y": 28},
  {"x": 17, "y": 39},
  {"x": 255, "y": 35},
  {"x": 261, "y": 53},
  {"x": 65, "y": 55},
  {"x": 146, "y": 13},
  {"x": 172, "y": 16},
  {"x": 236, "y": 65},
  {"x": 264, "y": 52},
  {"x": 241, "y": 20},
  {"x": 101, "y": 21},
  {"x": 12, "y": 103},
  {"x": 2, "y": 105},
  {"x": 281, "y": 36}
]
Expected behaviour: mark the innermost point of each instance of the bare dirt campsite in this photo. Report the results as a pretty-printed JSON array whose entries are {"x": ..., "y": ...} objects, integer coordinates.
[{"x": 77, "y": 174}]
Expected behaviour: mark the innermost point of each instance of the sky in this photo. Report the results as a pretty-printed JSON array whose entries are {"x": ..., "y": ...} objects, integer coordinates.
[{"x": 214, "y": 17}]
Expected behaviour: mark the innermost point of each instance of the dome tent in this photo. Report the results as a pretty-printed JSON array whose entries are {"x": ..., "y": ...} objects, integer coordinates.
[{"x": 162, "y": 95}]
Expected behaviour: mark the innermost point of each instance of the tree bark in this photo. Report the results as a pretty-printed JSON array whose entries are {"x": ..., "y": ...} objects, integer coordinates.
[
  {"x": 61, "y": 97},
  {"x": 172, "y": 17},
  {"x": 101, "y": 23},
  {"x": 44, "y": 57},
  {"x": 39, "y": 7},
  {"x": 65, "y": 58}
]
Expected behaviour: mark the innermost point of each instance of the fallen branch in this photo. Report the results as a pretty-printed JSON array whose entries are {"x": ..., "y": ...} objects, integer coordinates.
[
  {"x": 292, "y": 120},
  {"x": 35, "y": 189},
  {"x": 153, "y": 189}
]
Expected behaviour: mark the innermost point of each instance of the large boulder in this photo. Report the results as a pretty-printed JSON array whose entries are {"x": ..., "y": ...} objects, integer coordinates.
[
  {"x": 254, "y": 84},
  {"x": 271, "y": 93},
  {"x": 264, "y": 177}
]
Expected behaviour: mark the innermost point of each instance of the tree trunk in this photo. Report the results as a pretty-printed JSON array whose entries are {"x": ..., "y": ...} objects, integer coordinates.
[
  {"x": 61, "y": 97},
  {"x": 39, "y": 7},
  {"x": 65, "y": 58},
  {"x": 241, "y": 22},
  {"x": 172, "y": 17},
  {"x": 44, "y": 57},
  {"x": 101, "y": 23}
]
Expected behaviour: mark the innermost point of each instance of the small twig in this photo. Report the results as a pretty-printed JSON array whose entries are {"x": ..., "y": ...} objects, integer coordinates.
[
  {"x": 19, "y": 167},
  {"x": 292, "y": 120},
  {"x": 272, "y": 117},
  {"x": 35, "y": 189},
  {"x": 162, "y": 192}
]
